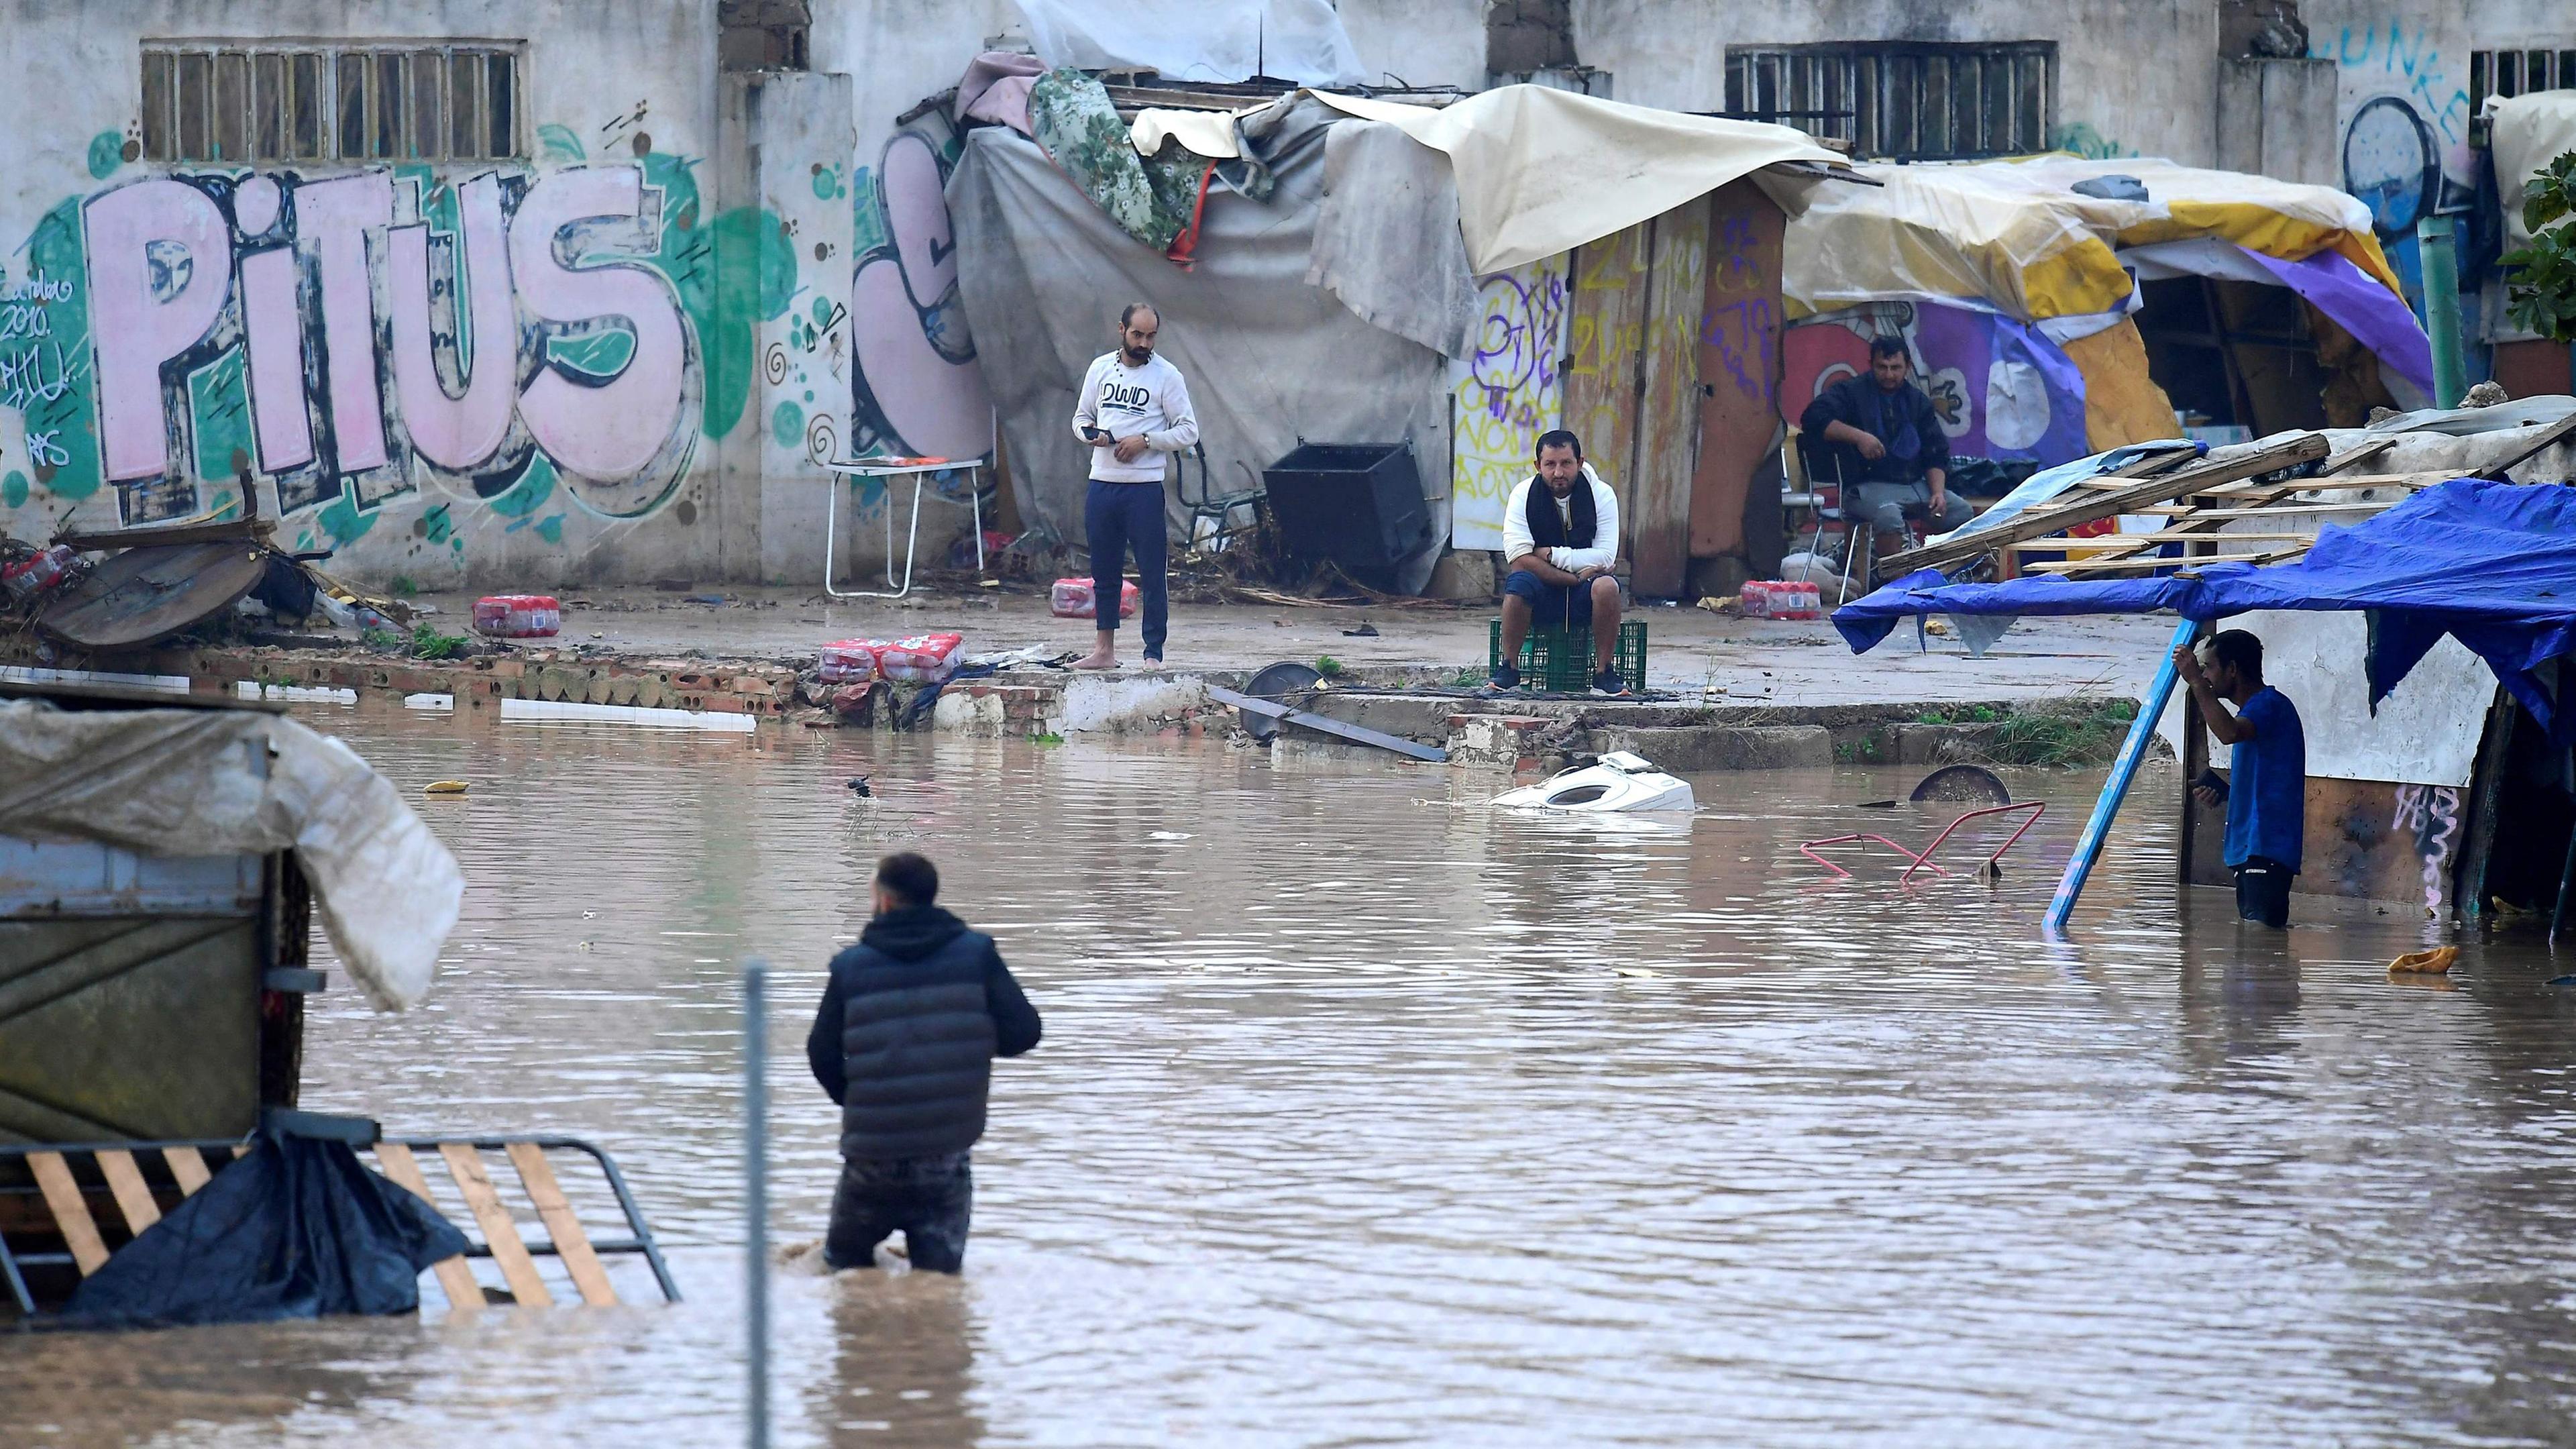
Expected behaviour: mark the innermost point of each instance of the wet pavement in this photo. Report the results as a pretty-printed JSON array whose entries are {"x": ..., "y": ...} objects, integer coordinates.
[{"x": 1367, "y": 1116}]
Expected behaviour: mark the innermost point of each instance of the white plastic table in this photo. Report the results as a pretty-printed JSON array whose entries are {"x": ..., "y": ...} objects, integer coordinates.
[{"x": 920, "y": 469}]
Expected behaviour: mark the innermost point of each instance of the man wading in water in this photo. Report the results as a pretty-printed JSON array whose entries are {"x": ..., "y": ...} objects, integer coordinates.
[
  {"x": 1133, "y": 409},
  {"x": 2266, "y": 789},
  {"x": 905, "y": 1040},
  {"x": 1561, "y": 534}
]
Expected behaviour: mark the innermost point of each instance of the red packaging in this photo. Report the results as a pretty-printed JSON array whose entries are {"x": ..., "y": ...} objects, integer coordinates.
[
  {"x": 850, "y": 661},
  {"x": 35, "y": 575},
  {"x": 1776, "y": 599},
  {"x": 1072, "y": 599},
  {"x": 518, "y": 616},
  {"x": 922, "y": 659}
]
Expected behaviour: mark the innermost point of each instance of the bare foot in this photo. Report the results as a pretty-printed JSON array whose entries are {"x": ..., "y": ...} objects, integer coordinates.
[{"x": 1097, "y": 659}]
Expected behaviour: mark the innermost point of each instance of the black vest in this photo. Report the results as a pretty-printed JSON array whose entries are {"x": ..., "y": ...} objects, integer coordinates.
[
  {"x": 1547, "y": 529},
  {"x": 917, "y": 1046}
]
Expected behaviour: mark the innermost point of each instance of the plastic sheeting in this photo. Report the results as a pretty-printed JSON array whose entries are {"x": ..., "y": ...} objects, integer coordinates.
[
  {"x": 221, "y": 782},
  {"x": 2490, "y": 564},
  {"x": 1270, "y": 360},
  {"x": 1300, "y": 41},
  {"x": 2376, "y": 317},
  {"x": 298, "y": 1229},
  {"x": 2017, "y": 234},
  {"x": 2530, "y": 132},
  {"x": 1387, "y": 242},
  {"x": 1541, "y": 171}
]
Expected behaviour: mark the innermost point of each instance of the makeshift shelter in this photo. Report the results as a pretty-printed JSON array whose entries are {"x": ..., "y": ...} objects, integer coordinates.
[
  {"x": 2059, "y": 306},
  {"x": 2421, "y": 625},
  {"x": 1456, "y": 280},
  {"x": 2524, "y": 134}
]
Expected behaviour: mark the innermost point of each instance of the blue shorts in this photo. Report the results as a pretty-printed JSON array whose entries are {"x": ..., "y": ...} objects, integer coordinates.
[{"x": 1552, "y": 606}]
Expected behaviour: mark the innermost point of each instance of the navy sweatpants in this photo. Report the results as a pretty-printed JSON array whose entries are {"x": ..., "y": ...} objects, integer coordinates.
[{"x": 1119, "y": 517}]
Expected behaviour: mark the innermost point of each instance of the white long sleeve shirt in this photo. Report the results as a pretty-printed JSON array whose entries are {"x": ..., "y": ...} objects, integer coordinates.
[
  {"x": 1126, "y": 402},
  {"x": 1605, "y": 526}
]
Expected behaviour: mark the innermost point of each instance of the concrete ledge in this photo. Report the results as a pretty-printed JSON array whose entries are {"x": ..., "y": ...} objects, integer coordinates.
[{"x": 1688, "y": 750}]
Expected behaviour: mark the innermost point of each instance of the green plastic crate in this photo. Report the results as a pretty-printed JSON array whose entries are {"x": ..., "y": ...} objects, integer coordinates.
[{"x": 1559, "y": 661}]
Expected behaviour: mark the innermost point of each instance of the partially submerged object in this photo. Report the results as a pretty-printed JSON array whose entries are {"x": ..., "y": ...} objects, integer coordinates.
[{"x": 1617, "y": 783}]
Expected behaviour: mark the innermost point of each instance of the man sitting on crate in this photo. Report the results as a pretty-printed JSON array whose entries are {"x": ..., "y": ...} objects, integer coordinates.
[
  {"x": 1889, "y": 454},
  {"x": 1561, "y": 533}
]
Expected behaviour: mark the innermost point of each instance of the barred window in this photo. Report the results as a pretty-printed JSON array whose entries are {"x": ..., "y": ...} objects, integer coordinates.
[
  {"x": 1902, "y": 101},
  {"x": 225, "y": 101},
  {"x": 2518, "y": 73}
]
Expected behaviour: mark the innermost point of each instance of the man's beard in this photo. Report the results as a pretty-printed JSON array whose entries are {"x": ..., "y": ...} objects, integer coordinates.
[{"x": 1136, "y": 358}]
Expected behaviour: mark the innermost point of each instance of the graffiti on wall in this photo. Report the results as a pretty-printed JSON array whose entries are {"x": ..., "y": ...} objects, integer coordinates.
[
  {"x": 1504, "y": 394},
  {"x": 2431, "y": 814},
  {"x": 917, "y": 389},
  {"x": 530, "y": 345},
  {"x": 2404, "y": 127}
]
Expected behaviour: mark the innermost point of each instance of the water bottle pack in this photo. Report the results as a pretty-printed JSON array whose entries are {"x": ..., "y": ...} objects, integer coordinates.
[
  {"x": 1073, "y": 599},
  {"x": 518, "y": 616}
]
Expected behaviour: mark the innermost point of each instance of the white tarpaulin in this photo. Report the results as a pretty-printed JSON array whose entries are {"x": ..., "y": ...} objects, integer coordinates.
[
  {"x": 1300, "y": 41},
  {"x": 1541, "y": 171},
  {"x": 184, "y": 782},
  {"x": 2530, "y": 132}
]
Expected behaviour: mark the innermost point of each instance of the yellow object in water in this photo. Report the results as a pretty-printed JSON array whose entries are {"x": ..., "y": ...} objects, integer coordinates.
[
  {"x": 2437, "y": 959},
  {"x": 443, "y": 787}
]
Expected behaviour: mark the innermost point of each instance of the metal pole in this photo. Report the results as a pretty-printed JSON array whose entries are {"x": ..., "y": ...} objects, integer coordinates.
[
  {"x": 2442, "y": 308},
  {"x": 755, "y": 1166},
  {"x": 2088, "y": 847}
]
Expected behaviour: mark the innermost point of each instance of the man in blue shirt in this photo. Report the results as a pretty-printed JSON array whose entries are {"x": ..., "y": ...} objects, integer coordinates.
[{"x": 2266, "y": 789}]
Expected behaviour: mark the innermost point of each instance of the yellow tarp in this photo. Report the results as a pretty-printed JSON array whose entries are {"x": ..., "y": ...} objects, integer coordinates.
[
  {"x": 2016, "y": 234},
  {"x": 2530, "y": 132},
  {"x": 1542, "y": 171},
  {"x": 2122, "y": 404}
]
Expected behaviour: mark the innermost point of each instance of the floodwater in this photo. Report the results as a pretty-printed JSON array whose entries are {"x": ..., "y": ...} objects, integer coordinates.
[{"x": 1365, "y": 1116}]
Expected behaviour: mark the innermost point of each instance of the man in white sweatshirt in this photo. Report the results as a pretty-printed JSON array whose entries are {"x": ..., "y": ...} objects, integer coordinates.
[
  {"x": 1561, "y": 536},
  {"x": 1133, "y": 409}
]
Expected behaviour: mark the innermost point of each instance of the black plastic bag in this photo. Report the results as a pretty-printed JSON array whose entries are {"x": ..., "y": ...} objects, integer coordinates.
[{"x": 299, "y": 1228}]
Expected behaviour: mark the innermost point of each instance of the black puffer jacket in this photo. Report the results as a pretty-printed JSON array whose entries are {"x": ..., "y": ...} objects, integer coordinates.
[{"x": 907, "y": 1032}]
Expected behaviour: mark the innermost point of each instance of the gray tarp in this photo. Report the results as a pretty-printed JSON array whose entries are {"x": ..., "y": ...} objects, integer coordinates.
[
  {"x": 217, "y": 782},
  {"x": 1387, "y": 242},
  {"x": 1269, "y": 359}
]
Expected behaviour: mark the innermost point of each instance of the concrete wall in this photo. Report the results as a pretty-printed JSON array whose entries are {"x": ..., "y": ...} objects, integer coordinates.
[
  {"x": 578, "y": 366},
  {"x": 776, "y": 274}
]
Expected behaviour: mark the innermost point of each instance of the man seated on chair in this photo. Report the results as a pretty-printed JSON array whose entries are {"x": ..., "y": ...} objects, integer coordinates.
[
  {"x": 1887, "y": 445},
  {"x": 1561, "y": 534}
]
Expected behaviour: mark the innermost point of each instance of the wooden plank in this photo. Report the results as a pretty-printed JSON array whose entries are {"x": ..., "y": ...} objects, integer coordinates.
[
  {"x": 1605, "y": 356},
  {"x": 188, "y": 1165},
  {"x": 1358, "y": 734},
  {"x": 454, "y": 1278},
  {"x": 169, "y": 537},
  {"x": 2187, "y": 565},
  {"x": 2359, "y": 453},
  {"x": 572, "y": 1245},
  {"x": 499, "y": 1233},
  {"x": 2179, "y": 483},
  {"x": 2549, "y": 435},
  {"x": 133, "y": 1198},
  {"x": 71, "y": 1211},
  {"x": 1739, "y": 365},
  {"x": 1668, "y": 408}
]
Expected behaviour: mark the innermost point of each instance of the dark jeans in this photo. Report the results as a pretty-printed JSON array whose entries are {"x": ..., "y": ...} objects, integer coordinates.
[
  {"x": 930, "y": 1198},
  {"x": 1118, "y": 517},
  {"x": 2263, "y": 891}
]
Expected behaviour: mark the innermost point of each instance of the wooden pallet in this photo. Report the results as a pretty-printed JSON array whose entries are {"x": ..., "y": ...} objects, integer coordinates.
[{"x": 79, "y": 1215}]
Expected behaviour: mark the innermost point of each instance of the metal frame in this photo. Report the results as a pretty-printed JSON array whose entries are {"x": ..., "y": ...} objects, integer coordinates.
[
  {"x": 640, "y": 1239},
  {"x": 861, "y": 468},
  {"x": 1924, "y": 860}
]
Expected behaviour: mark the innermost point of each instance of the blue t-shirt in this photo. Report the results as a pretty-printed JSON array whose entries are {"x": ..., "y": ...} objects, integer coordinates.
[{"x": 2267, "y": 783}]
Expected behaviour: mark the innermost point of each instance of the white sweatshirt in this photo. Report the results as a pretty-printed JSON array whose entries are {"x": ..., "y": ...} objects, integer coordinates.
[
  {"x": 1127, "y": 401},
  {"x": 1605, "y": 526}
]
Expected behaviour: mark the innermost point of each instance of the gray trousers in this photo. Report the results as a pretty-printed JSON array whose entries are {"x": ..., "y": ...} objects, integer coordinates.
[{"x": 1886, "y": 504}]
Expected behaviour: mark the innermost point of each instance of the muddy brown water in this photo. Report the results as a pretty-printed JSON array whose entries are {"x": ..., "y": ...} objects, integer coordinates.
[{"x": 1367, "y": 1116}]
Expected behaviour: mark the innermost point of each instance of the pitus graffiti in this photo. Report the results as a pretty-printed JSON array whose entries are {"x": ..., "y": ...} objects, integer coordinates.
[
  {"x": 917, "y": 390},
  {"x": 537, "y": 343}
]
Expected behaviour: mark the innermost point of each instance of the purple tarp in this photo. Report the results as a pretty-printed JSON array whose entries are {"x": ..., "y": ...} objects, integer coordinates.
[{"x": 2377, "y": 318}]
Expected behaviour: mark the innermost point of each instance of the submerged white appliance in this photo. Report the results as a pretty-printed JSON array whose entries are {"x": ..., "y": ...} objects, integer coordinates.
[{"x": 1616, "y": 783}]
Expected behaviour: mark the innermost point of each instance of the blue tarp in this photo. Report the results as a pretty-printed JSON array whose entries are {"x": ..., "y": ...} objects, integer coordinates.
[{"x": 2492, "y": 564}]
